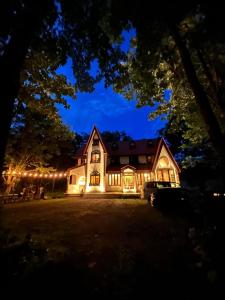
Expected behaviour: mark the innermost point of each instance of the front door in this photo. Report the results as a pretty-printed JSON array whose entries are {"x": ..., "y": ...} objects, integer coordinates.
[{"x": 128, "y": 182}]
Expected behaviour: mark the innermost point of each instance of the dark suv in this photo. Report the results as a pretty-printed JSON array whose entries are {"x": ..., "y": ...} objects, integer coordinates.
[{"x": 165, "y": 195}]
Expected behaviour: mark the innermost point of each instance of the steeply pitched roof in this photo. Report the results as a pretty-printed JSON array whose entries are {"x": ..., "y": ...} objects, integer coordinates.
[
  {"x": 138, "y": 147},
  {"x": 151, "y": 147},
  {"x": 80, "y": 152},
  {"x": 95, "y": 129},
  {"x": 160, "y": 145}
]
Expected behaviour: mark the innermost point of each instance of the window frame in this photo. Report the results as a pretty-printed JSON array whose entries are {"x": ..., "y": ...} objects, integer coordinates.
[
  {"x": 93, "y": 178},
  {"x": 95, "y": 142},
  {"x": 114, "y": 179},
  {"x": 94, "y": 152},
  {"x": 73, "y": 179}
]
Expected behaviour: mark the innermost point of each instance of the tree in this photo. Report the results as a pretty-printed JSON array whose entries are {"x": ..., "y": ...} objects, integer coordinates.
[
  {"x": 164, "y": 51},
  {"x": 20, "y": 23},
  {"x": 165, "y": 55},
  {"x": 37, "y": 143},
  {"x": 65, "y": 29},
  {"x": 38, "y": 139},
  {"x": 115, "y": 136}
]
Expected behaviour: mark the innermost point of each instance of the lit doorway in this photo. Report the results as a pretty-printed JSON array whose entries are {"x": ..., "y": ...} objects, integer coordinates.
[{"x": 128, "y": 182}]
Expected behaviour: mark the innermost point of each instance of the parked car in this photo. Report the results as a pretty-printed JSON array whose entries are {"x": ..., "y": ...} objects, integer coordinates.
[
  {"x": 152, "y": 186},
  {"x": 166, "y": 195}
]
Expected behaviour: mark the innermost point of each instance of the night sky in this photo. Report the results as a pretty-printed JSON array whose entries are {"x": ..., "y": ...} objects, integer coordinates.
[{"x": 107, "y": 109}]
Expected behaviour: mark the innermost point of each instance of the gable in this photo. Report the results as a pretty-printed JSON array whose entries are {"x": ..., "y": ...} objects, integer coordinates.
[
  {"x": 95, "y": 134},
  {"x": 164, "y": 158}
]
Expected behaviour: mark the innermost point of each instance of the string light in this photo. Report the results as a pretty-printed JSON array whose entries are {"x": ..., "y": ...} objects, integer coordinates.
[{"x": 35, "y": 175}]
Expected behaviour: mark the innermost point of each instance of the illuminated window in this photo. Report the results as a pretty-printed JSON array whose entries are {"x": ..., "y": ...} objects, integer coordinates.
[
  {"x": 143, "y": 177},
  {"x": 82, "y": 180},
  {"x": 166, "y": 175},
  {"x": 114, "y": 179},
  {"x": 172, "y": 176},
  {"x": 95, "y": 156},
  {"x": 72, "y": 179},
  {"x": 95, "y": 178},
  {"x": 163, "y": 162},
  {"x": 160, "y": 175}
]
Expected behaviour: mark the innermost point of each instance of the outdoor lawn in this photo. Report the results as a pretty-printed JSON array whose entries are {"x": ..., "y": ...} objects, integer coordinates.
[{"x": 105, "y": 247}]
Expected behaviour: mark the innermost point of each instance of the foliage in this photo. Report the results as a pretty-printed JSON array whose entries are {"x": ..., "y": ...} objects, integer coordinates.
[
  {"x": 38, "y": 143},
  {"x": 38, "y": 139},
  {"x": 175, "y": 48},
  {"x": 115, "y": 136}
]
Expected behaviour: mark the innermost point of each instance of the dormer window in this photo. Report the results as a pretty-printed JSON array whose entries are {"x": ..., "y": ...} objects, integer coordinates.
[
  {"x": 132, "y": 145},
  {"x": 95, "y": 156},
  {"x": 149, "y": 158},
  {"x": 95, "y": 142}
]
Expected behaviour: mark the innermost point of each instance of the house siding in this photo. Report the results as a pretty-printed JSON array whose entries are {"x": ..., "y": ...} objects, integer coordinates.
[{"x": 95, "y": 167}]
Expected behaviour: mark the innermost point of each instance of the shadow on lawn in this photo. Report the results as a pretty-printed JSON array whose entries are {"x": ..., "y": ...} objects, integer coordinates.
[
  {"x": 197, "y": 268},
  {"x": 26, "y": 267}
]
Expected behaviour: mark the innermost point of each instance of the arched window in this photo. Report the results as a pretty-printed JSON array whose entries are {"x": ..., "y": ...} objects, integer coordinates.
[
  {"x": 95, "y": 156},
  {"x": 95, "y": 178},
  {"x": 163, "y": 162}
]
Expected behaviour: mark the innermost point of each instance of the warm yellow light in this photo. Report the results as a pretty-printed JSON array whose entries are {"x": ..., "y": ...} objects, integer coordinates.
[
  {"x": 65, "y": 174},
  {"x": 25, "y": 173},
  {"x": 50, "y": 175},
  {"x": 215, "y": 194},
  {"x": 14, "y": 172},
  {"x": 163, "y": 162},
  {"x": 60, "y": 174},
  {"x": 82, "y": 180},
  {"x": 46, "y": 175},
  {"x": 41, "y": 175},
  {"x": 35, "y": 174}
]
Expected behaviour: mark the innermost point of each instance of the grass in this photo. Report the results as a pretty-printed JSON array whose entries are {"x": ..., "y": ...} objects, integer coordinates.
[{"x": 106, "y": 247}]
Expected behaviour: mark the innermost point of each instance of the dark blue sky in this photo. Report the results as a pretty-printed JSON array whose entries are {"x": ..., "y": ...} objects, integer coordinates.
[{"x": 107, "y": 109}]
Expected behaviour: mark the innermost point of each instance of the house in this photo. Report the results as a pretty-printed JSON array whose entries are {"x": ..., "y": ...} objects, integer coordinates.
[{"x": 121, "y": 167}]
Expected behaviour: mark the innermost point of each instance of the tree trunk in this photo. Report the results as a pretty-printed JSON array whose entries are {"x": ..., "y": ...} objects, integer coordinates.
[
  {"x": 28, "y": 23},
  {"x": 10, "y": 183},
  {"x": 211, "y": 122},
  {"x": 212, "y": 84}
]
